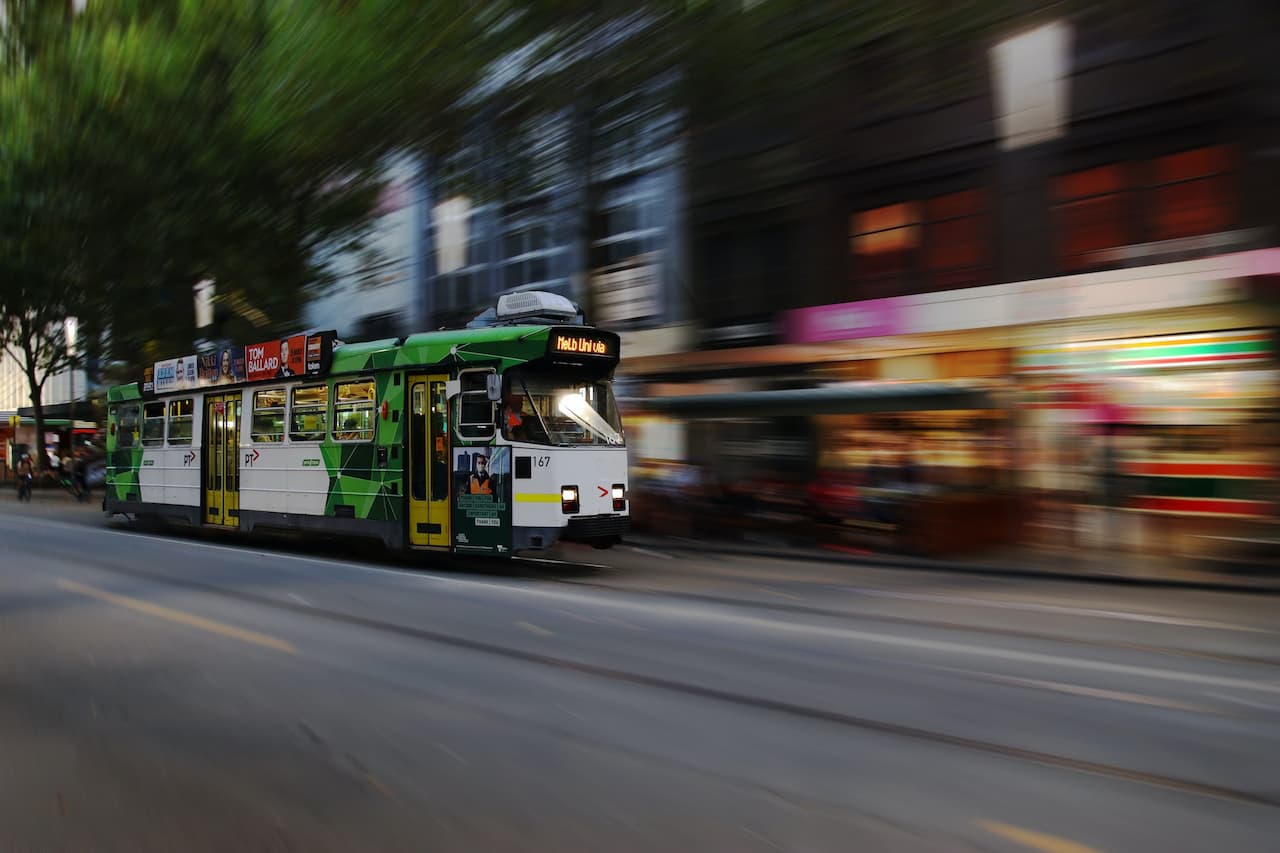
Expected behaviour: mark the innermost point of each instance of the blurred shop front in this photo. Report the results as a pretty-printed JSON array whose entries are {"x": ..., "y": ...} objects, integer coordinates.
[
  {"x": 1137, "y": 405},
  {"x": 1174, "y": 435}
]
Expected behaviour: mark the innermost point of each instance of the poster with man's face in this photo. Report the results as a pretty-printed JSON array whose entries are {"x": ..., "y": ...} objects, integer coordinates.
[
  {"x": 293, "y": 356},
  {"x": 481, "y": 486}
]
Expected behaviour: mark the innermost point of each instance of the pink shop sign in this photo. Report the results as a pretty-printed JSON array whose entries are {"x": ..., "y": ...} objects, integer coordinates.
[{"x": 871, "y": 318}]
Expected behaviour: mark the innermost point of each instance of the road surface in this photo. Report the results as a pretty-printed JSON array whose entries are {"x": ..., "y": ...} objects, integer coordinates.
[{"x": 180, "y": 692}]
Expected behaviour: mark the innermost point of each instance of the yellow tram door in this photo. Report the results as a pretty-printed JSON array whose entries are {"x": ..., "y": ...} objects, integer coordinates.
[
  {"x": 427, "y": 472},
  {"x": 221, "y": 461}
]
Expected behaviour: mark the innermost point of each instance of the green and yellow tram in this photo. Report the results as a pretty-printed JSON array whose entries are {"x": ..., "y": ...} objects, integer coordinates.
[{"x": 489, "y": 440}]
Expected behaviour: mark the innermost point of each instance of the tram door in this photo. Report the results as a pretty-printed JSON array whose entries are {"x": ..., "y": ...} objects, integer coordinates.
[
  {"x": 428, "y": 461},
  {"x": 221, "y": 460}
]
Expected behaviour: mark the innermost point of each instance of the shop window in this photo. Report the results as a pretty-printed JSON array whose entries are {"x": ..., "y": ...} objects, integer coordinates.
[
  {"x": 268, "y": 416},
  {"x": 180, "y": 419},
  {"x": 958, "y": 240},
  {"x": 1193, "y": 193},
  {"x": 353, "y": 408},
  {"x": 884, "y": 244},
  {"x": 1092, "y": 209},
  {"x": 152, "y": 424},
  {"x": 308, "y": 413}
]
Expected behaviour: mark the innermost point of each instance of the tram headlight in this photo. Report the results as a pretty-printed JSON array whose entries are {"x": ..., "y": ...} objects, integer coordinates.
[
  {"x": 569, "y": 499},
  {"x": 619, "y": 497}
]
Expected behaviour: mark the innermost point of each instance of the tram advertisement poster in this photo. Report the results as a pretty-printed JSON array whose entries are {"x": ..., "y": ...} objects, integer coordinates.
[
  {"x": 207, "y": 369},
  {"x": 262, "y": 361},
  {"x": 185, "y": 373},
  {"x": 482, "y": 499},
  {"x": 166, "y": 376},
  {"x": 319, "y": 352},
  {"x": 230, "y": 366},
  {"x": 149, "y": 380},
  {"x": 293, "y": 355}
]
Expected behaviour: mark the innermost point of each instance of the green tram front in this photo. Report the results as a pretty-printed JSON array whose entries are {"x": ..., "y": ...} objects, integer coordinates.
[{"x": 488, "y": 440}]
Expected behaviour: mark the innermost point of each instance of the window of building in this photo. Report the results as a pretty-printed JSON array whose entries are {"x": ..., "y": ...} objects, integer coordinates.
[
  {"x": 152, "y": 424},
  {"x": 1094, "y": 213},
  {"x": 309, "y": 413},
  {"x": 268, "y": 415},
  {"x": 353, "y": 408},
  {"x": 180, "y": 420},
  {"x": 1193, "y": 193},
  {"x": 884, "y": 244},
  {"x": 957, "y": 240}
]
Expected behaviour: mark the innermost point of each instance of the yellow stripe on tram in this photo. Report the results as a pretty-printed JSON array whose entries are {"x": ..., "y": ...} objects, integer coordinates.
[{"x": 537, "y": 497}]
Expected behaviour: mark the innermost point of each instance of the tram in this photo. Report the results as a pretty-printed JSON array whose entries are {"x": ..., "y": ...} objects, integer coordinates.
[{"x": 498, "y": 438}]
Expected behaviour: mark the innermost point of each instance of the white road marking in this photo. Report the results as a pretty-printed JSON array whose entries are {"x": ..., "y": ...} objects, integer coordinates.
[
  {"x": 649, "y": 552},
  {"x": 1058, "y": 608},
  {"x": 1086, "y": 692},
  {"x": 299, "y": 599},
  {"x": 1248, "y": 703}
]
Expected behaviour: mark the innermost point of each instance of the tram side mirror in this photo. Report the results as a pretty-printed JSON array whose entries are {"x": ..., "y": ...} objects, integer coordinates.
[{"x": 493, "y": 387}]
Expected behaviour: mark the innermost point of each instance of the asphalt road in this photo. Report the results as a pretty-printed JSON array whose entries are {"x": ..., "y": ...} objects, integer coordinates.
[{"x": 182, "y": 692}]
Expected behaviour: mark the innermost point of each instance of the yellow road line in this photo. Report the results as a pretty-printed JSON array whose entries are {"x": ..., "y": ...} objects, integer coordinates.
[
  {"x": 178, "y": 616},
  {"x": 537, "y": 498},
  {"x": 1035, "y": 840}
]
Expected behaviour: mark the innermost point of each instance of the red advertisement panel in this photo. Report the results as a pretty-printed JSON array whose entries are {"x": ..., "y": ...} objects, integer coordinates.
[
  {"x": 262, "y": 361},
  {"x": 293, "y": 356}
]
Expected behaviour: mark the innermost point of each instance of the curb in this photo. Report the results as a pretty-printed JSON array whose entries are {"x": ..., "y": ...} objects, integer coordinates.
[{"x": 899, "y": 561}]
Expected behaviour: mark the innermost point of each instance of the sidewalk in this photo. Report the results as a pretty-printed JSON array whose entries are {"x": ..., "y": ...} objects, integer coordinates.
[{"x": 1115, "y": 567}]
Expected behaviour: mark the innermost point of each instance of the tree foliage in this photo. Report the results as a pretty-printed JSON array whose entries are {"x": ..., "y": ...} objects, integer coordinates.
[{"x": 157, "y": 143}]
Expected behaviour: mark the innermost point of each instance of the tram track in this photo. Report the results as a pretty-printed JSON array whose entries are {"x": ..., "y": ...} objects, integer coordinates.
[
  {"x": 398, "y": 564},
  {"x": 716, "y": 694}
]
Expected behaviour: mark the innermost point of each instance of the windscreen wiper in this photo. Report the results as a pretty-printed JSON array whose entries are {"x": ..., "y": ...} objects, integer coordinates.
[{"x": 541, "y": 422}]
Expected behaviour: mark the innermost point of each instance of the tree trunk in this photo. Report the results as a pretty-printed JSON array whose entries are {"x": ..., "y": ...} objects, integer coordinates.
[{"x": 37, "y": 408}]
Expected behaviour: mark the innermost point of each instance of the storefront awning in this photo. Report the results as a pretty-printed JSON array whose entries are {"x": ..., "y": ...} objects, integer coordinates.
[{"x": 844, "y": 399}]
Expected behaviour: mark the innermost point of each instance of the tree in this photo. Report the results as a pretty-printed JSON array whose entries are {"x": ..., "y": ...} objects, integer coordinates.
[
  {"x": 165, "y": 142},
  {"x": 35, "y": 301}
]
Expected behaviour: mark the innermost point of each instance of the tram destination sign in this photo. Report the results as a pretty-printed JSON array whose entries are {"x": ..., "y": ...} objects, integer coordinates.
[{"x": 582, "y": 343}]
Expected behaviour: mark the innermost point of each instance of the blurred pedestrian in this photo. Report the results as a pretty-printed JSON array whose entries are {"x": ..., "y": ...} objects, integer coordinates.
[
  {"x": 26, "y": 473},
  {"x": 80, "y": 476}
]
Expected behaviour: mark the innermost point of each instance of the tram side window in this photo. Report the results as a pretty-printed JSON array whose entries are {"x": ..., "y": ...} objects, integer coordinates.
[
  {"x": 180, "y": 412},
  {"x": 152, "y": 424},
  {"x": 127, "y": 429},
  {"x": 309, "y": 412},
  {"x": 353, "y": 410},
  {"x": 268, "y": 416},
  {"x": 476, "y": 412}
]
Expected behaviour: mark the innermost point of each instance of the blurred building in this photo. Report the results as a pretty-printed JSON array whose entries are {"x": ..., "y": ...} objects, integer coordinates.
[
  {"x": 524, "y": 208},
  {"x": 377, "y": 289},
  {"x": 1081, "y": 218}
]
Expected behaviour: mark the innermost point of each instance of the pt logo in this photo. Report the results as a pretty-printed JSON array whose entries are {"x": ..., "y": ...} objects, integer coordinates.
[
  {"x": 188, "y": 458},
  {"x": 251, "y": 457}
]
